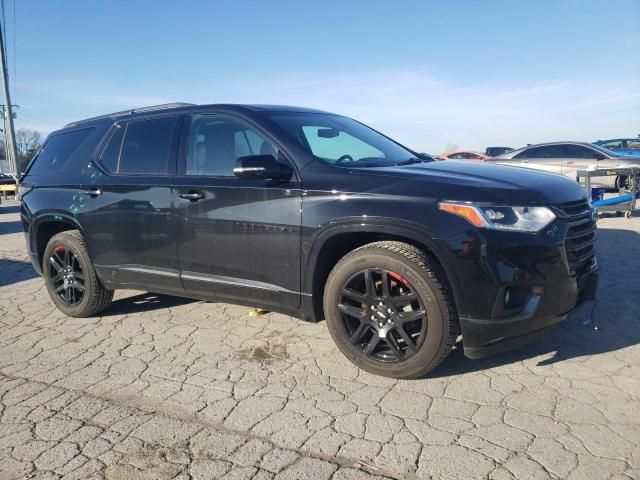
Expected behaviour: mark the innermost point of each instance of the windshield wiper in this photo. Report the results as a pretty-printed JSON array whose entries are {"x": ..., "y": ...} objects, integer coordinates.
[{"x": 410, "y": 161}]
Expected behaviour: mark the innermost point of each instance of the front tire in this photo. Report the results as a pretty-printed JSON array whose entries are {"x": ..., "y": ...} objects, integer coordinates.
[
  {"x": 389, "y": 310},
  {"x": 70, "y": 277}
]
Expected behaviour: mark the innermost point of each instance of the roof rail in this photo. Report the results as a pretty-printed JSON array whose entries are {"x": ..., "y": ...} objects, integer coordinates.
[
  {"x": 162, "y": 106},
  {"x": 151, "y": 108}
]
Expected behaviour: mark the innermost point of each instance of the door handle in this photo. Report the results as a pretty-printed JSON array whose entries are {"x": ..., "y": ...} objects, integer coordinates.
[
  {"x": 94, "y": 192},
  {"x": 192, "y": 196},
  {"x": 569, "y": 163}
]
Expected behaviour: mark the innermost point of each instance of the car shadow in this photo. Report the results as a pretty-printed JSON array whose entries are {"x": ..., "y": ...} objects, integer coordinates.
[
  {"x": 607, "y": 325},
  {"x": 15, "y": 271},
  {"x": 5, "y": 209},
  {"x": 7, "y": 228},
  {"x": 144, "y": 302}
]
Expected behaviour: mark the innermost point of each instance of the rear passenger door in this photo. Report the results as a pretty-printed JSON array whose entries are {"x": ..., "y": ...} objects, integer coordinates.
[{"x": 127, "y": 206}]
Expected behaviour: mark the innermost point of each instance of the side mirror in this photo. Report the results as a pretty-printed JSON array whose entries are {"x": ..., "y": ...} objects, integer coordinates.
[{"x": 262, "y": 166}]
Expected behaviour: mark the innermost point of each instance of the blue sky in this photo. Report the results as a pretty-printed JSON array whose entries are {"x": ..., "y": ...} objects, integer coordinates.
[{"x": 433, "y": 74}]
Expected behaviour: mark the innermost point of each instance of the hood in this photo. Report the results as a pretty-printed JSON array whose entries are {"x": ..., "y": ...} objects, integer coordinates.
[{"x": 481, "y": 182}]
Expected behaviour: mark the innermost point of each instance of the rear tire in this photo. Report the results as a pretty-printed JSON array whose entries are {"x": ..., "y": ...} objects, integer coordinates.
[
  {"x": 356, "y": 318},
  {"x": 70, "y": 278}
]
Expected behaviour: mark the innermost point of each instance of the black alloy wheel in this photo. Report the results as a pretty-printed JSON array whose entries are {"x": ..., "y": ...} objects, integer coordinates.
[
  {"x": 66, "y": 275},
  {"x": 383, "y": 315},
  {"x": 389, "y": 309},
  {"x": 71, "y": 278}
]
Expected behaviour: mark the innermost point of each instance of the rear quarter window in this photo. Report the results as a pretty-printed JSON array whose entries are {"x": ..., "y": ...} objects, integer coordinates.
[{"x": 57, "y": 151}]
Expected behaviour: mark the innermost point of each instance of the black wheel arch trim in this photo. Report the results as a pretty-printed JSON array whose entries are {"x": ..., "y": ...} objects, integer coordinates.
[
  {"x": 413, "y": 232},
  {"x": 48, "y": 217}
]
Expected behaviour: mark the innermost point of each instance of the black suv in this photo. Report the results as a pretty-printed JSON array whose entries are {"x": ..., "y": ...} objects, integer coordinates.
[{"x": 310, "y": 214}]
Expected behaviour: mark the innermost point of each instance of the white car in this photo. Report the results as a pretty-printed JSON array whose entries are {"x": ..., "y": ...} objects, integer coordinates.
[{"x": 566, "y": 158}]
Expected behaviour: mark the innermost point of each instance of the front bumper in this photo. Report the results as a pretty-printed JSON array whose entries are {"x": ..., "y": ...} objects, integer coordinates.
[
  {"x": 483, "y": 338},
  {"x": 513, "y": 287}
]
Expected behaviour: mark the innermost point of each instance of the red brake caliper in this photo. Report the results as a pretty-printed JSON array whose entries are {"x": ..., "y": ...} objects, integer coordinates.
[{"x": 399, "y": 278}]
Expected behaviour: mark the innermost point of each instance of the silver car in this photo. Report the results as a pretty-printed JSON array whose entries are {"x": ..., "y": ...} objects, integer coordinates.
[{"x": 566, "y": 158}]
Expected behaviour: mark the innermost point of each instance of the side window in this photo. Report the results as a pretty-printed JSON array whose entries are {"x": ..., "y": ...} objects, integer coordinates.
[
  {"x": 633, "y": 145},
  {"x": 576, "y": 151},
  {"x": 57, "y": 151},
  {"x": 528, "y": 153},
  {"x": 217, "y": 141},
  {"x": 110, "y": 155},
  {"x": 147, "y": 146},
  {"x": 550, "y": 151},
  {"x": 615, "y": 145}
]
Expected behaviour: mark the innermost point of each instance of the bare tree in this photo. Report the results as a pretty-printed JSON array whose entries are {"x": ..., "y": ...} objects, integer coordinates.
[{"x": 27, "y": 144}]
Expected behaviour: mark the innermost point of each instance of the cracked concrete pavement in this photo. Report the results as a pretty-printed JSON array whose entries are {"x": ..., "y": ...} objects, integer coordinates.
[{"x": 161, "y": 387}]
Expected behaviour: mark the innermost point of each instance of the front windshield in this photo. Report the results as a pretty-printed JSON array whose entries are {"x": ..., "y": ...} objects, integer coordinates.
[{"x": 342, "y": 141}]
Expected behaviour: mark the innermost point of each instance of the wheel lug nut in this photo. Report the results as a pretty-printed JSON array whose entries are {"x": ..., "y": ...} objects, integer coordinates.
[
  {"x": 372, "y": 317},
  {"x": 373, "y": 307}
]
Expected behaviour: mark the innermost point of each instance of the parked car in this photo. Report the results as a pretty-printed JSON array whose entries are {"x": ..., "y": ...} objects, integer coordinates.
[
  {"x": 8, "y": 185},
  {"x": 464, "y": 155},
  {"x": 622, "y": 146},
  {"x": 6, "y": 179},
  {"x": 495, "y": 151},
  {"x": 566, "y": 158},
  {"x": 310, "y": 214}
]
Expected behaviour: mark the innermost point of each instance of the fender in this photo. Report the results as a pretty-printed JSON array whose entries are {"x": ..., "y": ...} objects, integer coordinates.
[{"x": 312, "y": 247}]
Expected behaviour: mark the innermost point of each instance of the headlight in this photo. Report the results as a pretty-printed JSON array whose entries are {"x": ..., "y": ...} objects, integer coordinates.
[{"x": 515, "y": 219}]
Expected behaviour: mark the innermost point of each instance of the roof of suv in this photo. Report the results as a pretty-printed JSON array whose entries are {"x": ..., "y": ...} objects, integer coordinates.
[{"x": 178, "y": 106}]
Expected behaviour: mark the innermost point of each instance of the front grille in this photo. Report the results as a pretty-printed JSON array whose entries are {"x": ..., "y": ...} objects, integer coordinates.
[{"x": 581, "y": 236}]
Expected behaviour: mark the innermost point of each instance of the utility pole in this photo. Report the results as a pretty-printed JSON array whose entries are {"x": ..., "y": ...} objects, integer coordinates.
[{"x": 10, "y": 142}]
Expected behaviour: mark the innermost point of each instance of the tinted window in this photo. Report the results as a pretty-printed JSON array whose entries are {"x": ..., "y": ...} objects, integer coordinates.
[
  {"x": 112, "y": 152},
  {"x": 633, "y": 145},
  {"x": 550, "y": 151},
  {"x": 216, "y": 142},
  {"x": 577, "y": 151},
  {"x": 147, "y": 146},
  {"x": 57, "y": 151}
]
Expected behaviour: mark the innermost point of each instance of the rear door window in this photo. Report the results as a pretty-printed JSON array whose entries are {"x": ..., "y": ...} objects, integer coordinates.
[
  {"x": 111, "y": 154},
  {"x": 57, "y": 151},
  {"x": 633, "y": 145},
  {"x": 550, "y": 151},
  {"x": 577, "y": 151},
  {"x": 147, "y": 147}
]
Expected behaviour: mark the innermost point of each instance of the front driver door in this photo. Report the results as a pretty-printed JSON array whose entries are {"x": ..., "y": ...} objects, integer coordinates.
[{"x": 237, "y": 238}]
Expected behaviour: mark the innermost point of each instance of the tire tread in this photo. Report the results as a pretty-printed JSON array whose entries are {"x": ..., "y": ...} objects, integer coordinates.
[
  {"x": 432, "y": 269},
  {"x": 99, "y": 297}
]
